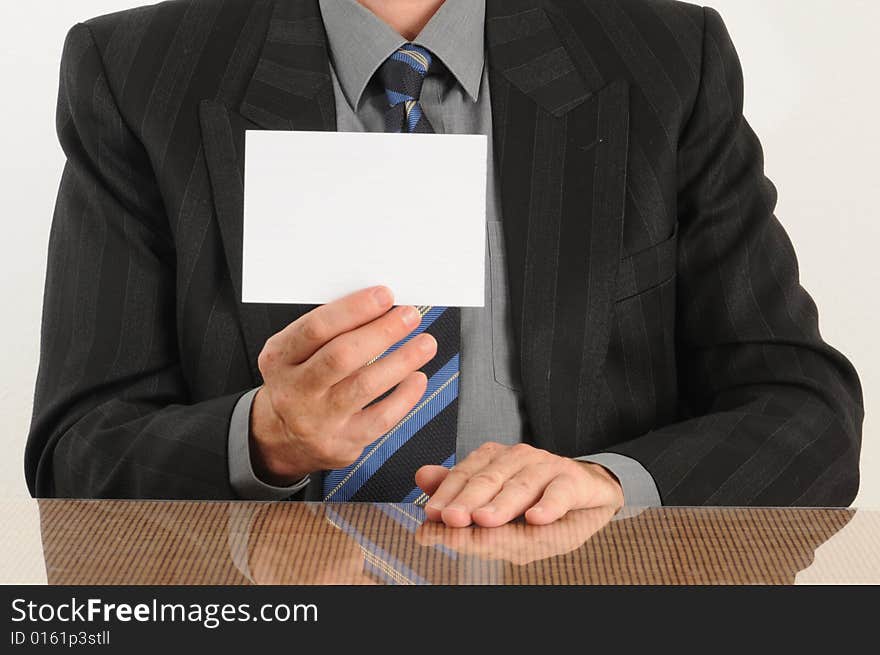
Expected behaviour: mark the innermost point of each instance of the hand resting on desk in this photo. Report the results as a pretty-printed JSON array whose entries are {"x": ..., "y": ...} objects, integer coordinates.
[{"x": 498, "y": 483}]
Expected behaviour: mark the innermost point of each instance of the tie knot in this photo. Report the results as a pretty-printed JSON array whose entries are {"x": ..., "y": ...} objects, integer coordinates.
[{"x": 403, "y": 74}]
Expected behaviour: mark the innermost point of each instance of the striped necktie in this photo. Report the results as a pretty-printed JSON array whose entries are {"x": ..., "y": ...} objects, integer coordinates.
[{"x": 385, "y": 471}]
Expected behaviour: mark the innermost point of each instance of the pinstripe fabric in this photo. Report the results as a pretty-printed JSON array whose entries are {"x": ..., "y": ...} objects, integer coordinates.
[{"x": 655, "y": 297}]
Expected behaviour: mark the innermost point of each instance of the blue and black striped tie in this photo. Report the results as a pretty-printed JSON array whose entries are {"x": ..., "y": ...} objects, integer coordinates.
[{"x": 427, "y": 435}]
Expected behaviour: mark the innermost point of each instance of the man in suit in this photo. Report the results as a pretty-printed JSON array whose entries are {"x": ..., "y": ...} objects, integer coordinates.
[{"x": 646, "y": 340}]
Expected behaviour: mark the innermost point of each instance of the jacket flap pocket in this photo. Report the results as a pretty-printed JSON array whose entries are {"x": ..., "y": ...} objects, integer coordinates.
[{"x": 648, "y": 268}]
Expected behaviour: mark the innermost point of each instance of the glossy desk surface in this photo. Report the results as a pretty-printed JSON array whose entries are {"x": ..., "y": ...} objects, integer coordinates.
[{"x": 134, "y": 542}]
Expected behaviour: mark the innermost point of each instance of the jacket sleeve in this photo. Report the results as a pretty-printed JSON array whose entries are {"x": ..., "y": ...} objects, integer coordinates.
[
  {"x": 112, "y": 416},
  {"x": 772, "y": 414}
]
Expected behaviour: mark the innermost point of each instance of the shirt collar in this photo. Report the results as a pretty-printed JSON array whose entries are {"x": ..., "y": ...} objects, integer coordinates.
[{"x": 360, "y": 42}]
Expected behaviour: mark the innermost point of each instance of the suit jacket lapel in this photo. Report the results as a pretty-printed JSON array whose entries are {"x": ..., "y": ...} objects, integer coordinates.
[
  {"x": 290, "y": 89},
  {"x": 561, "y": 139}
]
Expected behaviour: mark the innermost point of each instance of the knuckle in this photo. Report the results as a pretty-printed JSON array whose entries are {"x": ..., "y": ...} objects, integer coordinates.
[
  {"x": 523, "y": 450},
  {"x": 546, "y": 454},
  {"x": 336, "y": 359},
  {"x": 571, "y": 466},
  {"x": 313, "y": 329},
  {"x": 490, "y": 448},
  {"x": 386, "y": 420},
  {"x": 490, "y": 479},
  {"x": 458, "y": 475},
  {"x": 365, "y": 387},
  {"x": 389, "y": 331},
  {"x": 269, "y": 356},
  {"x": 389, "y": 420}
]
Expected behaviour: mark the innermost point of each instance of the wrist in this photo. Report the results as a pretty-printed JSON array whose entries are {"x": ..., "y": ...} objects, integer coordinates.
[
  {"x": 616, "y": 496},
  {"x": 270, "y": 449}
]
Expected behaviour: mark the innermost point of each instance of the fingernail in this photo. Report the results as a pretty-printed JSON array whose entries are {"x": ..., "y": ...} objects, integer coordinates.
[
  {"x": 383, "y": 296},
  {"x": 456, "y": 508},
  {"x": 434, "y": 507},
  {"x": 489, "y": 509},
  {"x": 427, "y": 343},
  {"x": 536, "y": 510},
  {"x": 411, "y": 317}
]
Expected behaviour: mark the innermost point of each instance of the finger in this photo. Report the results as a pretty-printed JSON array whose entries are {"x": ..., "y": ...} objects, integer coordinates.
[
  {"x": 353, "y": 350},
  {"x": 560, "y": 496},
  {"x": 370, "y": 382},
  {"x": 517, "y": 495},
  {"x": 456, "y": 480},
  {"x": 485, "y": 484},
  {"x": 457, "y": 477},
  {"x": 376, "y": 420},
  {"x": 305, "y": 336},
  {"x": 429, "y": 478}
]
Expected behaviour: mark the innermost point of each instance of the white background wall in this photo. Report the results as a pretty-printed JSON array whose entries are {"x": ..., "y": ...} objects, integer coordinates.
[{"x": 811, "y": 95}]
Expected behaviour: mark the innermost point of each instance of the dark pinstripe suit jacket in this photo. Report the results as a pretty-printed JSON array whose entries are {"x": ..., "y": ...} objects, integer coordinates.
[{"x": 655, "y": 297}]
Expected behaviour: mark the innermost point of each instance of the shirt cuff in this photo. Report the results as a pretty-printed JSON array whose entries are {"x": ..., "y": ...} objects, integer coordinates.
[
  {"x": 639, "y": 488},
  {"x": 241, "y": 472}
]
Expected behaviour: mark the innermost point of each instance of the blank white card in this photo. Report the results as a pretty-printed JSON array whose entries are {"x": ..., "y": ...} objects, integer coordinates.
[{"x": 328, "y": 213}]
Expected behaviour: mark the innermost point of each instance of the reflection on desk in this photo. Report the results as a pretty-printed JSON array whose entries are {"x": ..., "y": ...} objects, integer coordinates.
[{"x": 135, "y": 542}]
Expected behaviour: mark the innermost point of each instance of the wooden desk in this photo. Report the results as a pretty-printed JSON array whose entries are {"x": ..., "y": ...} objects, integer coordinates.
[{"x": 129, "y": 542}]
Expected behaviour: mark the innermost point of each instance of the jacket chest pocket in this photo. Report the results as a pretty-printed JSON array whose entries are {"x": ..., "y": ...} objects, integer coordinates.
[
  {"x": 648, "y": 268},
  {"x": 505, "y": 360}
]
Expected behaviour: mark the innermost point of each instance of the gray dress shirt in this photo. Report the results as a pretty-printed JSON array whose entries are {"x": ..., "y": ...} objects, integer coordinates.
[{"x": 490, "y": 401}]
